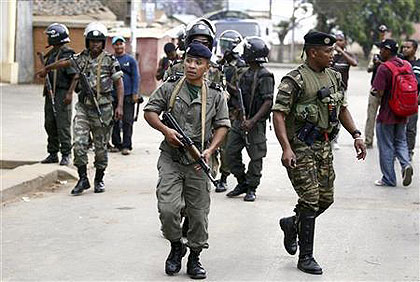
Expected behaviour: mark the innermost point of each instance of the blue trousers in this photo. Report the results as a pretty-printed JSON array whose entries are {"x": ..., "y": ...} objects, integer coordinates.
[{"x": 392, "y": 143}]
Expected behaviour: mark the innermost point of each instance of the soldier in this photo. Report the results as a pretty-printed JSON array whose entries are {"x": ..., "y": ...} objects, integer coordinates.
[
  {"x": 257, "y": 87},
  {"x": 58, "y": 113},
  {"x": 170, "y": 57},
  {"x": 179, "y": 181},
  {"x": 308, "y": 107},
  {"x": 92, "y": 61},
  {"x": 228, "y": 40}
]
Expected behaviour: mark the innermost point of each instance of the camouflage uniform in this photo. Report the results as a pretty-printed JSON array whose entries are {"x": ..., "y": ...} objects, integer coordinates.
[
  {"x": 257, "y": 148},
  {"x": 178, "y": 178},
  {"x": 313, "y": 177},
  {"x": 58, "y": 127},
  {"x": 86, "y": 119}
]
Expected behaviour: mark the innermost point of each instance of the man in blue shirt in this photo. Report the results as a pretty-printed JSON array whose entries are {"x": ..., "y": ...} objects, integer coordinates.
[{"x": 131, "y": 80}]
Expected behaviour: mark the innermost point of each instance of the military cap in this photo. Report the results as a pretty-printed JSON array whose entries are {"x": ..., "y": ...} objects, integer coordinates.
[
  {"x": 196, "y": 49},
  {"x": 390, "y": 44},
  {"x": 316, "y": 38}
]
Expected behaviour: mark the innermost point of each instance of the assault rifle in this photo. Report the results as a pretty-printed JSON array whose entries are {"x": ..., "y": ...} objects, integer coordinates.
[
  {"x": 48, "y": 85},
  {"x": 170, "y": 122},
  {"x": 242, "y": 109},
  {"x": 87, "y": 90}
]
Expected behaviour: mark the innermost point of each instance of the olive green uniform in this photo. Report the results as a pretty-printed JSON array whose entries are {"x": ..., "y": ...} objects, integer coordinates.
[
  {"x": 179, "y": 183},
  {"x": 86, "y": 119},
  {"x": 313, "y": 177},
  {"x": 263, "y": 82},
  {"x": 58, "y": 126}
]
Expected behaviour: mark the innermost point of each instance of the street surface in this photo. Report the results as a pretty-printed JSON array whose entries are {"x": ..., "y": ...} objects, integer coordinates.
[{"x": 370, "y": 233}]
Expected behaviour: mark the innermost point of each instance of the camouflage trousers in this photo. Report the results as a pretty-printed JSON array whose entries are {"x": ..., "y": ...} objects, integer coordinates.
[
  {"x": 181, "y": 187},
  {"x": 85, "y": 122},
  {"x": 58, "y": 127},
  {"x": 313, "y": 177}
]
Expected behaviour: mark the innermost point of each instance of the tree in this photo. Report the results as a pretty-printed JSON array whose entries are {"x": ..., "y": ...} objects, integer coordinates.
[{"x": 360, "y": 19}]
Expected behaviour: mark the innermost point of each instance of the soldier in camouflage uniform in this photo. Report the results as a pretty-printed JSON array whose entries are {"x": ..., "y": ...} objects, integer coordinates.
[
  {"x": 93, "y": 61},
  {"x": 309, "y": 106},
  {"x": 58, "y": 123},
  {"x": 248, "y": 131},
  {"x": 180, "y": 184}
]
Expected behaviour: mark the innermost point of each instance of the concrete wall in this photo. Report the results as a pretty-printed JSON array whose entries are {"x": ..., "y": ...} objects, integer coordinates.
[
  {"x": 24, "y": 44},
  {"x": 9, "y": 67}
]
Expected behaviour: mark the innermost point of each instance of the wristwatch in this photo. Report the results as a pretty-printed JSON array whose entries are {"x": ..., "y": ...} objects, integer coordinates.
[{"x": 356, "y": 132}]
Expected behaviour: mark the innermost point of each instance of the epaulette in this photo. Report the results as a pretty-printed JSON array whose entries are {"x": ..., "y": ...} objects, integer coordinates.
[
  {"x": 216, "y": 86},
  {"x": 173, "y": 78}
]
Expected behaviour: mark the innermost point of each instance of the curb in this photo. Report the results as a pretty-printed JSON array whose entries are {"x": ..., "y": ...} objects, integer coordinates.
[
  {"x": 11, "y": 164},
  {"x": 32, "y": 178}
]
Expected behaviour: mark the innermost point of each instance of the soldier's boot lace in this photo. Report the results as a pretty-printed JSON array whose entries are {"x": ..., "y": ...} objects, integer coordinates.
[
  {"x": 174, "y": 260},
  {"x": 306, "y": 262},
  {"x": 222, "y": 184},
  {"x": 65, "y": 159},
  {"x": 83, "y": 182},
  {"x": 50, "y": 159},
  {"x": 99, "y": 185},
  {"x": 194, "y": 268},
  {"x": 289, "y": 227}
]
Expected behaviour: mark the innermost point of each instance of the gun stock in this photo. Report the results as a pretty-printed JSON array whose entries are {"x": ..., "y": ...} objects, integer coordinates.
[{"x": 242, "y": 110}]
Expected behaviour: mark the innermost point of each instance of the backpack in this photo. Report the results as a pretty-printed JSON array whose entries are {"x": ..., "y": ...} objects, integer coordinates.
[{"x": 404, "y": 98}]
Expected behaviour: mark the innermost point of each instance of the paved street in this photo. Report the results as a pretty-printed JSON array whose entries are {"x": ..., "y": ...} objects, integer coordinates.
[{"x": 370, "y": 233}]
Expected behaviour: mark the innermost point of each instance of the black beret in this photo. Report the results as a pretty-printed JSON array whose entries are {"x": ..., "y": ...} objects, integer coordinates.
[
  {"x": 316, "y": 38},
  {"x": 196, "y": 49}
]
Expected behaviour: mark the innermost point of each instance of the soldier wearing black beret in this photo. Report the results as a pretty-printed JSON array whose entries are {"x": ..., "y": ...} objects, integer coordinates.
[
  {"x": 309, "y": 106},
  {"x": 201, "y": 111}
]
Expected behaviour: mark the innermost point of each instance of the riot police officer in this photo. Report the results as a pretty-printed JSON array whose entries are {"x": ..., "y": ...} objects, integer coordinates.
[
  {"x": 309, "y": 106},
  {"x": 248, "y": 130},
  {"x": 103, "y": 72},
  {"x": 57, "y": 108}
]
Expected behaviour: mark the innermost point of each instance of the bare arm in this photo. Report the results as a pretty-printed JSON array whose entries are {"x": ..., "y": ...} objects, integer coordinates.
[
  {"x": 265, "y": 108},
  {"x": 288, "y": 157},
  {"x": 69, "y": 94},
  {"x": 218, "y": 136},
  {"x": 171, "y": 135},
  {"x": 120, "y": 98},
  {"x": 348, "y": 123}
]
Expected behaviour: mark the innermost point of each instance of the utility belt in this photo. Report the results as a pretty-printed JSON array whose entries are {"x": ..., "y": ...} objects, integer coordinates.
[
  {"x": 309, "y": 133},
  {"x": 86, "y": 100}
]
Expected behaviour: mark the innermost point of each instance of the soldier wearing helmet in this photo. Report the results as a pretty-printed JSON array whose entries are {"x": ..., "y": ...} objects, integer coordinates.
[
  {"x": 257, "y": 87},
  {"x": 58, "y": 113},
  {"x": 103, "y": 73}
]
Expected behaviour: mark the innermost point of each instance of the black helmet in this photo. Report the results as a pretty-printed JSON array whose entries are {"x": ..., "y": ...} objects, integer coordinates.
[
  {"x": 228, "y": 40},
  {"x": 202, "y": 27},
  {"x": 57, "y": 34},
  {"x": 96, "y": 31},
  {"x": 255, "y": 50}
]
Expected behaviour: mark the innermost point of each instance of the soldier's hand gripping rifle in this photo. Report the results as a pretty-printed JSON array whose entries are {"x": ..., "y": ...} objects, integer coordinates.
[
  {"x": 85, "y": 86},
  {"x": 170, "y": 122},
  {"x": 242, "y": 109},
  {"x": 48, "y": 86}
]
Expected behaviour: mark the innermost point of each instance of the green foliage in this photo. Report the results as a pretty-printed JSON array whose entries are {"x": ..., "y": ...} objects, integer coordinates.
[{"x": 360, "y": 19}]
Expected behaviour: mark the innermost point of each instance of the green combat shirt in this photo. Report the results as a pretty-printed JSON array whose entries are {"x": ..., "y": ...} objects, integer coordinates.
[
  {"x": 187, "y": 113},
  {"x": 296, "y": 92},
  {"x": 110, "y": 72}
]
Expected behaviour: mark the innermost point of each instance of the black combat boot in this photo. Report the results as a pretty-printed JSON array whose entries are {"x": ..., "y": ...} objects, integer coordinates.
[
  {"x": 99, "y": 185},
  {"x": 65, "y": 159},
  {"x": 250, "y": 195},
  {"x": 52, "y": 158},
  {"x": 83, "y": 182},
  {"x": 289, "y": 227},
  {"x": 241, "y": 188},
  {"x": 222, "y": 184},
  {"x": 306, "y": 262},
  {"x": 173, "y": 262},
  {"x": 194, "y": 268}
]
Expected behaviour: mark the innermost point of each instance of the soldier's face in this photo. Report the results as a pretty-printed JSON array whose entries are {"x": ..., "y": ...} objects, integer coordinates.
[
  {"x": 95, "y": 46},
  {"x": 323, "y": 56},
  {"x": 408, "y": 49},
  {"x": 195, "y": 67}
]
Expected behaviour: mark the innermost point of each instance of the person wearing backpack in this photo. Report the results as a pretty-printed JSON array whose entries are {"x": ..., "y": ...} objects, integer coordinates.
[{"x": 390, "y": 83}]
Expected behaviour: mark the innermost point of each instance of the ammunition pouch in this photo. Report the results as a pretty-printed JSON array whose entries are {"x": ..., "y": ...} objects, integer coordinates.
[{"x": 309, "y": 133}]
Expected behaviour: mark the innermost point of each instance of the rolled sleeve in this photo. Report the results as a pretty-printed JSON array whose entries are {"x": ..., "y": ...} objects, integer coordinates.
[
  {"x": 286, "y": 96},
  {"x": 158, "y": 101},
  {"x": 222, "y": 113}
]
